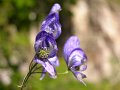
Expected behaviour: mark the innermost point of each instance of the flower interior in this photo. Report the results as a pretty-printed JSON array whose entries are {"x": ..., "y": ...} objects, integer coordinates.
[{"x": 43, "y": 53}]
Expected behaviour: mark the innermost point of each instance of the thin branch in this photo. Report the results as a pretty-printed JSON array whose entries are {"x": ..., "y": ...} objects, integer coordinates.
[
  {"x": 66, "y": 72},
  {"x": 37, "y": 72},
  {"x": 30, "y": 65},
  {"x": 37, "y": 68},
  {"x": 27, "y": 76}
]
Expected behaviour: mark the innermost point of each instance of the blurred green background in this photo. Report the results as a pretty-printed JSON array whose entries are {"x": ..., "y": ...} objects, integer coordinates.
[{"x": 19, "y": 23}]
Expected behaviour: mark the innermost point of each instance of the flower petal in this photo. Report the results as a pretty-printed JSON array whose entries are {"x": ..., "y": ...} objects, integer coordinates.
[
  {"x": 43, "y": 74},
  {"x": 56, "y": 8},
  {"x": 71, "y": 44},
  {"x": 47, "y": 66},
  {"x": 80, "y": 76},
  {"x": 47, "y": 43},
  {"x": 83, "y": 67},
  {"x": 39, "y": 61},
  {"x": 51, "y": 76},
  {"x": 77, "y": 58},
  {"x": 50, "y": 69},
  {"x": 54, "y": 61},
  {"x": 51, "y": 23}
]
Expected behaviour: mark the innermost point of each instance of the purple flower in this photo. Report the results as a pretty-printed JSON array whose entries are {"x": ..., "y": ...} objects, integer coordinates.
[
  {"x": 46, "y": 49},
  {"x": 45, "y": 45},
  {"x": 75, "y": 58},
  {"x": 51, "y": 23}
]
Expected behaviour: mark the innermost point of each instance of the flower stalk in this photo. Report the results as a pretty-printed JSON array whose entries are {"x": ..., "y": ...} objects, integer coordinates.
[{"x": 32, "y": 69}]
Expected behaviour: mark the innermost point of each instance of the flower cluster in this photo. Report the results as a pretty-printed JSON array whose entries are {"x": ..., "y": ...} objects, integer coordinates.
[
  {"x": 45, "y": 44},
  {"x": 46, "y": 50}
]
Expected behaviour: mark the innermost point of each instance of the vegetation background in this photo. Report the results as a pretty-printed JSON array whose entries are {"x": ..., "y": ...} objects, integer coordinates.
[{"x": 95, "y": 22}]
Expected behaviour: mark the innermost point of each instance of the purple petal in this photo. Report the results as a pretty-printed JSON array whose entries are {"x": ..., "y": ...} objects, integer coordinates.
[
  {"x": 51, "y": 76},
  {"x": 71, "y": 44},
  {"x": 47, "y": 43},
  {"x": 47, "y": 66},
  {"x": 39, "y": 61},
  {"x": 77, "y": 58},
  {"x": 56, "y": 8},
  {"x": 83, "y": 67},
  {"x": 43, "y": 74},
  {"x": 51, "y": 24},
  {"x": 50, "y": 69},
  {"x": 80, "y": 76},
  {"x": 43, "y": 34},
  {"x": 54, "y": 61},
  {"x": 41, "y": 40}
]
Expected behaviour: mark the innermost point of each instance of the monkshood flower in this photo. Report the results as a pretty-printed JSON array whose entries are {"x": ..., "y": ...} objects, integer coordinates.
[
  {"x": 75, "y": 58},
  {"x": 46, "y": 49},
  {"x": 51, "y": 23}
]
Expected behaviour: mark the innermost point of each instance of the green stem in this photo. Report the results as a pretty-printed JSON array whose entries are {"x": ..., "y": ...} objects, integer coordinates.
[
  {"x": 37, "y": 72},
  {"x": 27, "y": 76},
  {"x": 30, "y": 64},
  {"x": 25, "y": 80},
  {"x": 37, "y": 68},
  {"x": 64, "y": 72}
]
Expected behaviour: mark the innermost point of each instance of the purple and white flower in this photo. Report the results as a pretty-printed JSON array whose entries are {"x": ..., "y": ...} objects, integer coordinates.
[
  {"x": 75, "y": 58},
  {"x": 51, "y": 23},
  {"x": 45, "y": 44},
  {"x": 46, "y": 50}
]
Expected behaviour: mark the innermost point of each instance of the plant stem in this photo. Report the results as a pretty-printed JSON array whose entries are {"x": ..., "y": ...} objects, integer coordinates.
[{"x": 27, "y": 76}]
